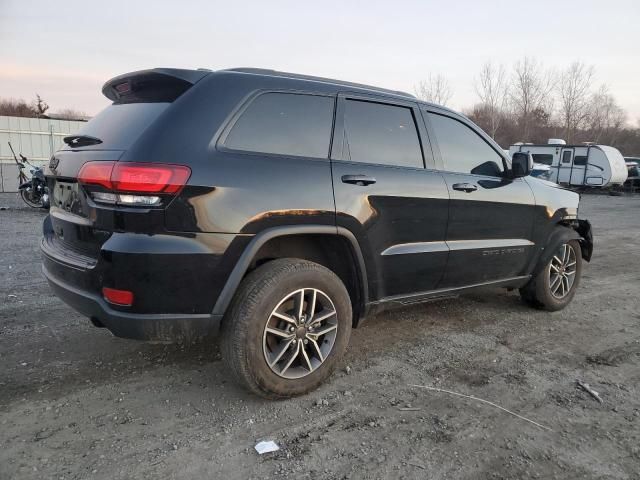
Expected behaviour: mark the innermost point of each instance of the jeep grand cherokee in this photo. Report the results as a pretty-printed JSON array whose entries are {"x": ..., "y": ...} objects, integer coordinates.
[{"x": 283, "y": 209}]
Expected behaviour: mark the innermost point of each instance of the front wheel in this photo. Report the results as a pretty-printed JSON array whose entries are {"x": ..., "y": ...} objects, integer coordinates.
[
  {"x": 555, "y": 285},
  {"x": 29, "y": 199},
  {"x": 287, "y": 328}
]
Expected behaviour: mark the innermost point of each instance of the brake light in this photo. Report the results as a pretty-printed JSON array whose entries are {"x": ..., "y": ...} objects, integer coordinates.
[
  {"x": 96, "y": 173},
  {"x": 149, "y": 178},
  {"x": 130, "y": 183},
  {"x": 118, "y": 297},
  {"x": 123, "y": 88}
]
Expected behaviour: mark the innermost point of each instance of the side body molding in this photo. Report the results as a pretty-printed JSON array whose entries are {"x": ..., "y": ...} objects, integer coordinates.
[
  {"x": 263, "y": 237},
  {"x": 445, "y": 246}
]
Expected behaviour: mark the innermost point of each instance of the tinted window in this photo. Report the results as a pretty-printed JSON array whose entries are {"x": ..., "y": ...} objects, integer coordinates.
[
  {"x": 462, "y": 149},
  {"x": 545, "y": 158},
  {"x": 285, "y": 124},
  {"x": 580, "y": 160},
  {"x": 566, "y": 156},
  {"x": 119, "y": 126},
  {"x": 383, "y": 134}
]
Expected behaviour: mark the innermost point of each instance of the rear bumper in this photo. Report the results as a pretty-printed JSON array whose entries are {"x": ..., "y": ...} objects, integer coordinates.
[
  {"x": 175, "y": 278},
  {"x": 179, "y": 328}
]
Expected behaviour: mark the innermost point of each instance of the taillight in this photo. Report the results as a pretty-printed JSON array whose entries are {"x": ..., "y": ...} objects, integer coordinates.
[
  {"x": 118, "y": 297},
  {"x": 149, "y": 178},
  {"x": 131, "y": 183},
  {"x": 97, "y": 173}
]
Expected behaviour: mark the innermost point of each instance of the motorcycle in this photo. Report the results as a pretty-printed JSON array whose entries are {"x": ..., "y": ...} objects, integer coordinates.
[{"x": 34, "y": 192}]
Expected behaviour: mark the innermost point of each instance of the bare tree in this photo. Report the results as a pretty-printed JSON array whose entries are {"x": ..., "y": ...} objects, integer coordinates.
[
  {"x": 40, "y": 106},
  {"x": 491, "y": 88},
  {"x": 529, "y": 92},
  {"x": 606, "y": 118},
  {"x": 574, "y": 94},
  {"x": 436, "y": 89}
]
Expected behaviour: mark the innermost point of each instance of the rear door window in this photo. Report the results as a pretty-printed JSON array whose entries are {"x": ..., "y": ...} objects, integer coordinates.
[
  {"x": 284, "y": 124},
  {"x": 382, "y": 134},
  {"x": 463, "y": 150}
]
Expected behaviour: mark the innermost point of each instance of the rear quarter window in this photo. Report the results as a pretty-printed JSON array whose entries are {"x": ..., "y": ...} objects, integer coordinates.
[{"x": 284, "y": 124}]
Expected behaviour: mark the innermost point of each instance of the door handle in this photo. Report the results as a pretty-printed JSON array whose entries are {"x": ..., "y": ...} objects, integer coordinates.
[
  {"x": 465, "y": 187},
  {"x": 361, "y": 180}
]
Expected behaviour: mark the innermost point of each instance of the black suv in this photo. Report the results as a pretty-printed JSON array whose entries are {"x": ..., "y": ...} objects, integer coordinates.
[{"x": 285, "y": 209}]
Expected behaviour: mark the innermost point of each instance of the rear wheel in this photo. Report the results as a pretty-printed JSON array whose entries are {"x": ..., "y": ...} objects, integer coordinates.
[
  {"x": 287, "y": 328},
  {"x": 27, "y": 197},
  {"x": 555, "y": 285}
]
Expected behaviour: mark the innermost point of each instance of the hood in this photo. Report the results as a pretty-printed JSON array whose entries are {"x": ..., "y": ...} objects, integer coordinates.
[{"x": 547, "y": 183}]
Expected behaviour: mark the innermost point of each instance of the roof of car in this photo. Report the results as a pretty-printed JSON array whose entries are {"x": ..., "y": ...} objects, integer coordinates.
[
  {"x": 339, "y": 83},
  {"x": 194, "y": 75},
  {"x": 297, "y": 76}
]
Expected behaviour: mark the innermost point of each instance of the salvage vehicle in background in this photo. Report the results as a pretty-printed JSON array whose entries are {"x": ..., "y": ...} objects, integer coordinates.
[
  {"x": 587, "y": 165},
  {"x": 34, "y": 191},
  {"x": 286, "y": 209},
  {"x": 633, "y": 172}
]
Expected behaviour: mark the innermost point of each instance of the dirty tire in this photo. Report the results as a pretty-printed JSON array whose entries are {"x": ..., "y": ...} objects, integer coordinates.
[
  {"x": 537, "y": 292},
  {"x": 26, "y": 198},
  {"x": 243, "y": 327}
]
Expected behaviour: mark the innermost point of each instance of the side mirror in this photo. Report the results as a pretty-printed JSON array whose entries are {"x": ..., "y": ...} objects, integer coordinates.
[{"x": 521, "y": 164}]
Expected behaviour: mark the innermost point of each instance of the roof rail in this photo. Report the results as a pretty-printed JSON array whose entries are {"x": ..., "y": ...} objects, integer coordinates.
[{"x": 276, "y": 73}]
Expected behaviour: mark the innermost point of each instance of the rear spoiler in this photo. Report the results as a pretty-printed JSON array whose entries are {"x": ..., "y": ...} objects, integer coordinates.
[{"x": 154, "y": 85}]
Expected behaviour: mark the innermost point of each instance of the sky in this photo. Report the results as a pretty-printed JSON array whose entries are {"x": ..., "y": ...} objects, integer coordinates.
[{"x": 66, "y": 50}]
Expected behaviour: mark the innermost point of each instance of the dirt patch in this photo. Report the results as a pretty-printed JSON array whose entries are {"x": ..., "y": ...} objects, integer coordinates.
[
  {"x": 76, "y": 402},
  {"x": 615, "y": 356}
]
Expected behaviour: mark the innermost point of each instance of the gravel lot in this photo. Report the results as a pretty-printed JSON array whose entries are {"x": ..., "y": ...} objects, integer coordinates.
[{"x": 76, "y": 402}]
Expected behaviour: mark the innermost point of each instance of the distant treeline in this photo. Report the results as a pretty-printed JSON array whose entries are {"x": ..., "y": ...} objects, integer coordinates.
[
  {"x": 532, "y": 103},
  {"x": 38, "y": 109}
]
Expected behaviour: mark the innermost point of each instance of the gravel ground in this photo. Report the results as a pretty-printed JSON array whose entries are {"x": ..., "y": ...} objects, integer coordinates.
[{"x": 76, "y": 402}]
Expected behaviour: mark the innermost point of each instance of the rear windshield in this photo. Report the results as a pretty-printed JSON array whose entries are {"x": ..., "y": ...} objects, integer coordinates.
[{"x": 120, "y": 125}]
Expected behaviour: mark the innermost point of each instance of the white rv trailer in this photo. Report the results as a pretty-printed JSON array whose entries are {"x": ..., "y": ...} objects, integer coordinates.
[{"x": 577, "y": 165}]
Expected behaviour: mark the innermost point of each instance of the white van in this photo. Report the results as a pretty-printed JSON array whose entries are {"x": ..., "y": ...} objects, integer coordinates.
[{"x": 577, "y": 165}]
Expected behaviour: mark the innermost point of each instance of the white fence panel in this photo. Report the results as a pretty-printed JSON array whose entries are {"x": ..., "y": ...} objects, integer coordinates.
[{"x": 36, "y": 138}]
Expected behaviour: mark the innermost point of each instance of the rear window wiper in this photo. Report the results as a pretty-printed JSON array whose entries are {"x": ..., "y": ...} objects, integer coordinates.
[{"x": 81, "y": 140}]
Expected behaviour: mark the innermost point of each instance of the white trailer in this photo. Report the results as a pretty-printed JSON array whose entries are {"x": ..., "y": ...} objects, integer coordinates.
[{"x": 577, "y": 165}]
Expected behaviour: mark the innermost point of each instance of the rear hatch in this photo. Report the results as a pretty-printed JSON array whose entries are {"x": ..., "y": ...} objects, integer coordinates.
[{"x": 92, "y": 193}]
